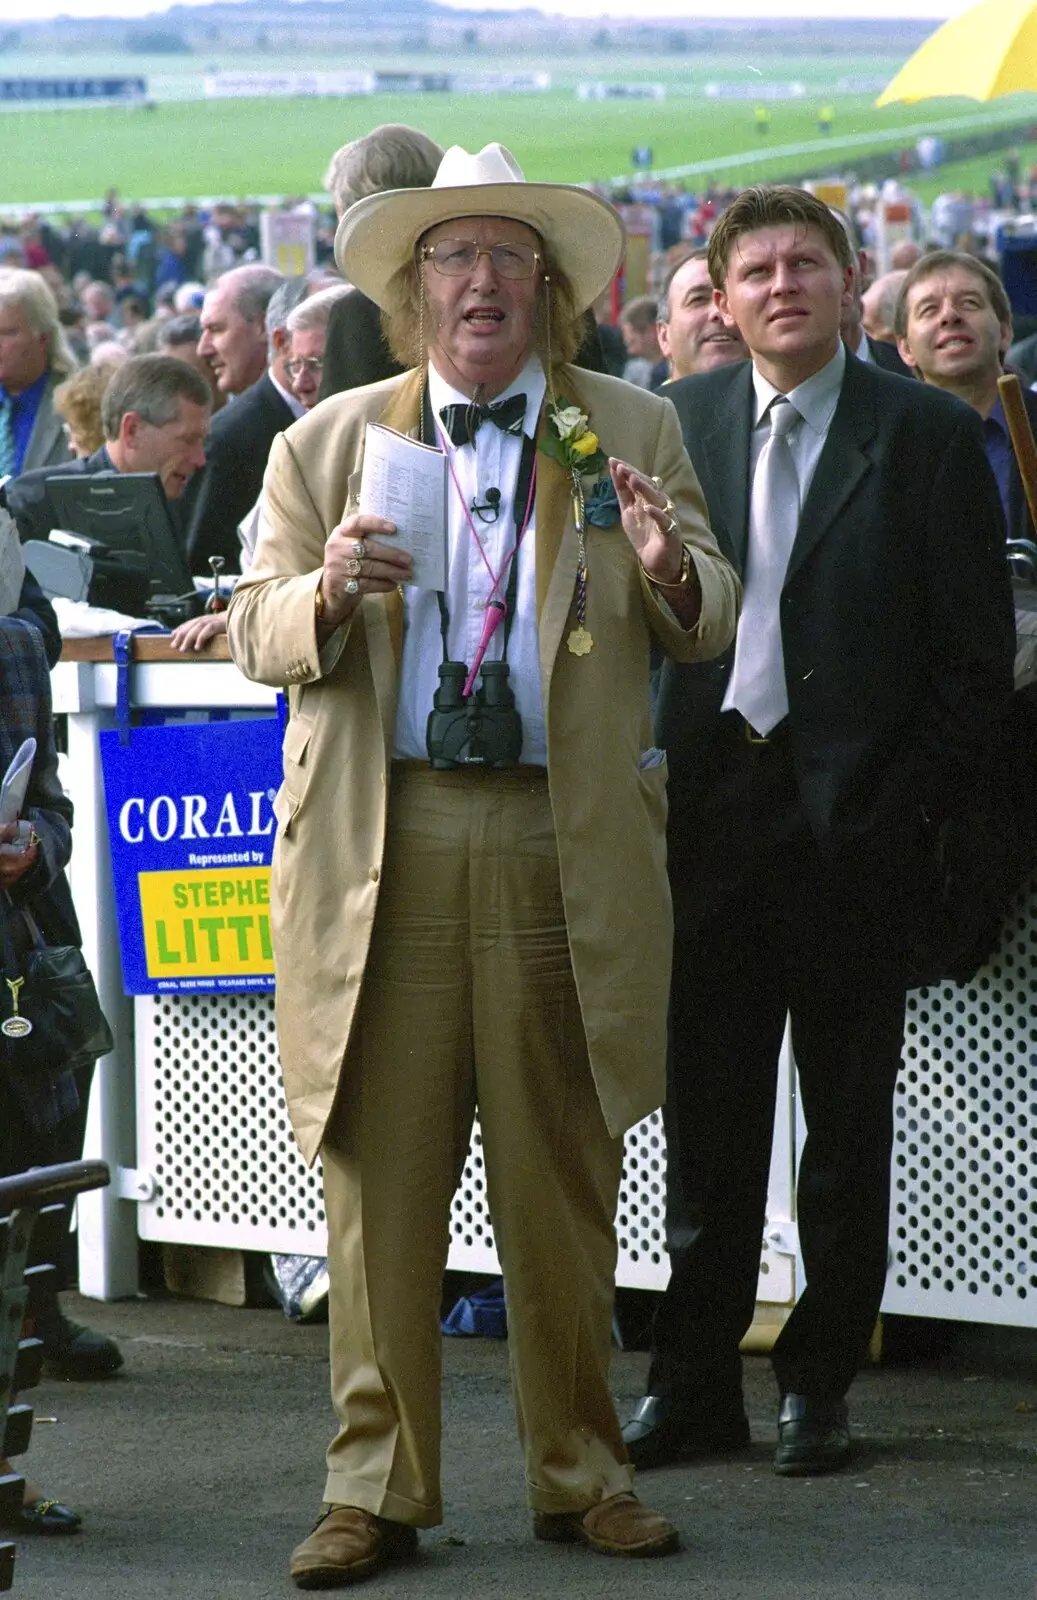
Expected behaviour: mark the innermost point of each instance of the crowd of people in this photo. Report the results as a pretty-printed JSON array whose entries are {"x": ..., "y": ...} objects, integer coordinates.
[{"x": 727, "y": 590}]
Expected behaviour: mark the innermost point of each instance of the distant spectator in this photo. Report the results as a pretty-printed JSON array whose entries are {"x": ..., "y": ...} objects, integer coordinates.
[
  {"x": 613, "y": 346},
  {"x": 904, "y": 255},
  {"x": 691, "y": 332},
  {"x": 180, "y": 336},
  {"x": 171, "y": 265},
  {"x": 392, "y": 156},
  {"x": 856, "y": 340},
  {"x": 109, "y": 352},
  {"x": 98, "y": 301},
  {"x": 242, "y": 434},
  {"x": 97, "y": 333},
  {"x": 133, "y": 311},
  {"x": 307, "y": 331},
  {"x": 189, "y": 297},
  {"x": 78, "y": 402},
  {"x": 234, "y": 336},
  {"x": 879, "y": 304},
  {"x": 637, "y": 323},
  {"x": 34, "y": 357},
  {"x": 143, "y": 340}
]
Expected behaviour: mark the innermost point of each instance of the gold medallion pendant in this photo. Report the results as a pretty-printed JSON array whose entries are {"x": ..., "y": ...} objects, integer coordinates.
[{"x": 580, "y": 642}]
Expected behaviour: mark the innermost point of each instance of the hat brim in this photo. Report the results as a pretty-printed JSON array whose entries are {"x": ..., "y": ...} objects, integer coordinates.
[{"x": 584, "y": 234}]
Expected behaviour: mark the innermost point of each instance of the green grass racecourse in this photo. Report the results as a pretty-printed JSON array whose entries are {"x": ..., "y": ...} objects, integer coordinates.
[{"x": 193, "y": 147}]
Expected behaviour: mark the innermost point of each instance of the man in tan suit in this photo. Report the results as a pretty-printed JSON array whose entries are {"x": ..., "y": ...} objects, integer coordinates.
[{"x": 493, "y": 928}]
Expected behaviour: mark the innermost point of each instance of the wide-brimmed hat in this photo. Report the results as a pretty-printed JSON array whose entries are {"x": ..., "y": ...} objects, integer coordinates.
[{"x": 583, "y": 233}]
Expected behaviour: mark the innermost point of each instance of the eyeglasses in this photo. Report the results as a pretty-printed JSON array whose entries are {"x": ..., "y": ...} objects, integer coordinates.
[
  {"x": 454, "y": 258},
  {"x": 312, "y": 364}
]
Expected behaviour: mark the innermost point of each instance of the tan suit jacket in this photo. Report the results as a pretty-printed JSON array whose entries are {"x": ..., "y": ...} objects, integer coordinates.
[{"x": 609, "y": 813}]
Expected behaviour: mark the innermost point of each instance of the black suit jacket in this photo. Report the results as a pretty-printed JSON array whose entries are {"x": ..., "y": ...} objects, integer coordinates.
[
  {"x": 887, "y": 356},
  {"x": 355, "y": 352},
  {"x": 896, "y": 614},
  {"x": 225, "y": 491}
]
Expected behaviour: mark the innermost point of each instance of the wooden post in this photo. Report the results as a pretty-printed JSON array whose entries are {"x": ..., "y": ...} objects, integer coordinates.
[{"x": 1021, "y": 434}]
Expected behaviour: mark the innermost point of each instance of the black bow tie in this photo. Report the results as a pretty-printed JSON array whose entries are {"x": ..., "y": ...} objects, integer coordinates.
[{"x": 462, "y": 422}]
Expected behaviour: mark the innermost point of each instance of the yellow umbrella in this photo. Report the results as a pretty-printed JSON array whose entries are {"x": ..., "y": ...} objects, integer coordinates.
[{"x": 989, "y": 50}]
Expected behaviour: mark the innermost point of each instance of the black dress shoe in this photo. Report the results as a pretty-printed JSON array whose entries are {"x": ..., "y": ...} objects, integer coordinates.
[
  {"x": 813, "y": 1436},
  {"x": 72, "y": 1351},
  {"x": 664, "y": 1430},
  {"x": 46, "y": 1516}
]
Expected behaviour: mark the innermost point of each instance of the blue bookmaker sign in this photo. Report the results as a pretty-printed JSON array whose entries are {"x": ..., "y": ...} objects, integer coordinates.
[{"x": 191, "y": 825}]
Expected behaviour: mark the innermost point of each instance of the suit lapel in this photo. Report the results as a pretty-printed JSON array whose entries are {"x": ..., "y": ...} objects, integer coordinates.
[
  {"x": 844, "y": 461},
  {"x": 46, "y": 431},
  {"x": 725, "y": 450}
]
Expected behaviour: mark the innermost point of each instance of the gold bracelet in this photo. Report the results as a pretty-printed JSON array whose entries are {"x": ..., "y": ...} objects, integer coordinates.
[
  {"x": 318, "y": 603},
  {"x": 675, "y": 583}
]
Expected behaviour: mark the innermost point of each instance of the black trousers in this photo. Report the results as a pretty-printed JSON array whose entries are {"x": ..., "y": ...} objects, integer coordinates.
[{"x": 763, "y": 927}]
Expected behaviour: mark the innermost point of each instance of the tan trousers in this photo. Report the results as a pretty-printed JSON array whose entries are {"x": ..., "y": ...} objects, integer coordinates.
[{"x": 468, "y": 998}]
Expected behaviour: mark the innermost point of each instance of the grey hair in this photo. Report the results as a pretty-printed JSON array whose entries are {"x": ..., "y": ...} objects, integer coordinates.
[
  {"x": 312, "y": 315},
  {"x": 290, "y": 292},
  {"x": 253, "y": 286},
  {"x": 183, "y": 329},
  {"x": 153, "y": 387},
  {"x": 21, "y": 287},
  {"x": 393, "y": 156}
]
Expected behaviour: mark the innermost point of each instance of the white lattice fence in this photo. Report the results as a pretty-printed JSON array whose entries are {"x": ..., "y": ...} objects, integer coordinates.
[
  {"x": 213, "y": 1133},
  {"x": 964, "y": 1223}
]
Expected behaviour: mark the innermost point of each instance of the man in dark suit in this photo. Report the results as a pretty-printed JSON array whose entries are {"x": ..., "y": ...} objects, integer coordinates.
[
  {"x": 953, "y": 323},
  {"x": 808, "y": 769},
  {"x": 856, "y": 337},
  {"x": 240, "y": 439}
]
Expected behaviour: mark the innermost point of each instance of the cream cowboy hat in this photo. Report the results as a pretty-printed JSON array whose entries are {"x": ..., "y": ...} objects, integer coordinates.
[{"x": 585, "y": 235}]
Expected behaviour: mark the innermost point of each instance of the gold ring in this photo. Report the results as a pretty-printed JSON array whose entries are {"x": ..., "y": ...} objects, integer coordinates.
[
  {"x": 359, "y": 549},
  {"x": 34, "y": 837},
  {"x": 671, "y": 527},
  {"x": 658, "y": 482},
  {"x": 351, "y": 586},
  {"x": 352, "y": 568}
]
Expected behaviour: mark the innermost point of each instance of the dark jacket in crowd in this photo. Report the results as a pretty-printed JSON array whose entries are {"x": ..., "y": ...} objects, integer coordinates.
[{"x": 224, "y": 492}]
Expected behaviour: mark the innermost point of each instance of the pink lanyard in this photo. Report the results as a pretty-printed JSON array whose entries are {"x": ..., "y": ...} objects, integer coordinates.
[{"x": 495, "y": 605}]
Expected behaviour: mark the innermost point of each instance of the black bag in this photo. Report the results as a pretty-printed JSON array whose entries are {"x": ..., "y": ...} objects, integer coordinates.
[{"x": 50, "y": 1017}]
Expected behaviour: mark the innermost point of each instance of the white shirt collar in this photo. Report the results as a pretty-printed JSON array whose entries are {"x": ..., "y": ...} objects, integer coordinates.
[
  {"x": 815, "y": 398},
  {"x": 295, "y": 406},
  {"x": 530, "y": 381}
]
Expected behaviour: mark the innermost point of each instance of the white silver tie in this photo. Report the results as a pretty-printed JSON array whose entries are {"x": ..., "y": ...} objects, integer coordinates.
[{"x": 757, "y": 688}]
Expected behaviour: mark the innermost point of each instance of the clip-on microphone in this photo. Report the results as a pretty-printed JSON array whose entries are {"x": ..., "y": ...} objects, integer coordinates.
[{"x": 491, "y": 510}]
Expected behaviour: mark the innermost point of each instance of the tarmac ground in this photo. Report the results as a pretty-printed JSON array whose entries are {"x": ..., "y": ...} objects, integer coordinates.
[{"x": 201, "y": 1465}]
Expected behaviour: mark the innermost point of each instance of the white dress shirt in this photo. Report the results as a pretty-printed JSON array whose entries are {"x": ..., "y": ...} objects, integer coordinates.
[
  {"x": 491, "y": 462},
  {"x": 294, "y": 404},
  {"x": 815, "y": 400}
]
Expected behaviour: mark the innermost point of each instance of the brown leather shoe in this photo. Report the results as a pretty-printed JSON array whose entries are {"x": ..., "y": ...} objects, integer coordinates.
[
  {"x": 619, "y": 1526},
  {"x": 348, "y": 1544}
]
